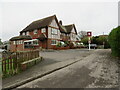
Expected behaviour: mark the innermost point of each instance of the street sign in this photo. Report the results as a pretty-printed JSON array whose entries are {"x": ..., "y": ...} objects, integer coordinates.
[{"x": 89, "y": 34}]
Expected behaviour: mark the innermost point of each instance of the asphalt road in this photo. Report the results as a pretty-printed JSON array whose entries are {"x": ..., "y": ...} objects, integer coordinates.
[
  {"x": 52, "y": 59},
  {"x": 61, "y": 55},
  {"x": 55, "y": 56},
  {"x": 98, "y": 70}
]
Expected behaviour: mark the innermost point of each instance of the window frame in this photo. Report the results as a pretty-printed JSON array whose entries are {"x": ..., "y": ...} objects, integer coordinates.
[
  {"x": 27, "y": 33},
  {"x": 53, "y": 31},
  {"x": 14, "y": 42},
  {"x": 43, "y": 30},
  {"x": 35, "y": 31},
  {"x": 23, "y": 33},
  {"x": 54, "y": 43}
]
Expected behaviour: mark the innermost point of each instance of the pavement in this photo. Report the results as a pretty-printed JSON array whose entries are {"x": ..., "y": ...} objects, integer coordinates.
[
  {"x": 98, "y": 70},
  {"x": 53, "y": 61}
]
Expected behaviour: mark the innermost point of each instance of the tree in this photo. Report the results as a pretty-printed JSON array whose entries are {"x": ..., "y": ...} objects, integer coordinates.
[
  {"x": 94, "y": 40},
  {"x": 114, "y": 40},
  {"x": 85, "y": 40},
  {"x": 0, "y": 42},
  {"x": 82, "y": 34}
]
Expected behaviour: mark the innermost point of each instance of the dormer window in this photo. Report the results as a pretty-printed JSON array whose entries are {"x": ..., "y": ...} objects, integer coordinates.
[
  {"x": 23, "y": 33},
  {"x": 35, "y": 31},
  {"x": 27, "y": 33},
  {"x": 43, "y": 30}
]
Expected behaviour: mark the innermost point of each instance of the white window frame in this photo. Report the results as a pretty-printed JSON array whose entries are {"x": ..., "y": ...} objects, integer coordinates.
[
  {"x": 23, "y": 33},
  {"x": 27, "y": 33},
  {"x": 35, "y": 31},
  {"x": 54, "y": 29},
  {"x": 21, "y": 41},
  {"x": 43, "y": 30},
  {"x": 54, "y": 43},
  {"x": 14, "y": 42}
]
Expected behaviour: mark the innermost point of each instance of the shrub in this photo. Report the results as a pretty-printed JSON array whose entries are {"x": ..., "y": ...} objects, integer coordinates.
[
  {"x": 59, "y": 44},
  {"x": 71, "y": 45},
  {"x": 114, "y": 41}
]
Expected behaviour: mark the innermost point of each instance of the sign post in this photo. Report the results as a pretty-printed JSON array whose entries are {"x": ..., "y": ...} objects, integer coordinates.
[{"x": 89, "y": 34}]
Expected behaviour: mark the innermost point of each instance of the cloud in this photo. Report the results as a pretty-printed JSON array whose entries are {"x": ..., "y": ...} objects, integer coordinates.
[{"x": 96, "y": 16}]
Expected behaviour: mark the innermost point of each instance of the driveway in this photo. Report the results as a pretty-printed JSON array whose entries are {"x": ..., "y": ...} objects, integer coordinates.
[
  {"x": 62, "y": 55},
  {"x": 98, "y": 70},
  {"x": 53, "y": 60}
]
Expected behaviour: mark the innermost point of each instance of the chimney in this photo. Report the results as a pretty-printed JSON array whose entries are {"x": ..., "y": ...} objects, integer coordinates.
[{"x": 60, "y": 22}]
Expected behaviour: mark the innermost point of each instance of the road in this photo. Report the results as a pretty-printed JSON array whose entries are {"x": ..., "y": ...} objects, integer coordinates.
[
  {"x": 55, "y": 56},
  {"x": 53, "y": 59},
  {"x": 98, "y": 70}
]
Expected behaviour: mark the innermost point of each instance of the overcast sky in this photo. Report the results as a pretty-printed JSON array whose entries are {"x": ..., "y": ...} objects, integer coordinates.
[{"x": 97, "y": 17}]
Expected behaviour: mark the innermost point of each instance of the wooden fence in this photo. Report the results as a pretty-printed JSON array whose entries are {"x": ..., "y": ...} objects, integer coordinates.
[{"x": 11, "y": 64}]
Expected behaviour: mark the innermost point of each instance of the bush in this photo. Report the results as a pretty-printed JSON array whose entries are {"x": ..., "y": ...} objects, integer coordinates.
[
  {"x": 114, "y": 41},
  {"x": 71, "y": 45},
  {"x": 59, "y": 44}
]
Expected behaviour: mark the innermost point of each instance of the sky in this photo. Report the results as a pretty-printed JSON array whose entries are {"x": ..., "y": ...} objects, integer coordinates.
[{"x": 94, "y": 16}]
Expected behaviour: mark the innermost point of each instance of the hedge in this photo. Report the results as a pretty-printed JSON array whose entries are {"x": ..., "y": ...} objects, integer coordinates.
[{"x": 114, "y": 41}]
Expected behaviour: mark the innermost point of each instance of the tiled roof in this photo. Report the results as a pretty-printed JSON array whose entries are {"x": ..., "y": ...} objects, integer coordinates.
[
  {"x": 21, "y": 37},
  {"x": 39, "y": 23}
]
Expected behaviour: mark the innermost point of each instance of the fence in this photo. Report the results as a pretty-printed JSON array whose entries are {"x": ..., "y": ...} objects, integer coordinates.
[{"x": 11, "y": 64}]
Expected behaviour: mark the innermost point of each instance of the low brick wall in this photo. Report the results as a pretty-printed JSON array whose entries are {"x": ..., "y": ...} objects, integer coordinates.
[
  {"x": 27, "y": 64},
  {"x": 61, "y": 48}
]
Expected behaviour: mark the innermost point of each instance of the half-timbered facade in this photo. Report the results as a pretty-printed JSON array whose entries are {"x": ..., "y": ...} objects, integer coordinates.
[{"x": 45, "y": 33}]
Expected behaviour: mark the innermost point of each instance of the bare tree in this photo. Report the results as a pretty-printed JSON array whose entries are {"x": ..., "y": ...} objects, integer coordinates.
[{"x": 82, "y": 34}]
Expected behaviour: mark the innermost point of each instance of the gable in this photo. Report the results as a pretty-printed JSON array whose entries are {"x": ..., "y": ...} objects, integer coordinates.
[
  {"x": 54, "y": 24},
  {"x": 73, "y": 30}
]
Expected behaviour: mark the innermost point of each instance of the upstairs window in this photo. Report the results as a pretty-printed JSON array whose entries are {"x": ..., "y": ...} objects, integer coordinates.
[
  {"x": 43, "y": 30},
  {"x": 23, "y": 33},
  {"x": 35, "y": 32},
  {"x": 27, "y": 33},
  {"x": 54, "y": 31}
]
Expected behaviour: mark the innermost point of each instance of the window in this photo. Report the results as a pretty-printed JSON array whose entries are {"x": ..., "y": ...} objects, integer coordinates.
[
  {"x": 35, "y": 31},
  {"x": 23, "y": 33},
  {"x": 43, "y": 30},
  {"x": 35, "y": 42},
  {"x": 14, "y": 42},
  {"x": 27, "y": 33},
  {"x": 54, "y": 31},
  {"x": 53, "y": 42},
  {"x": 20, "y": 42}
]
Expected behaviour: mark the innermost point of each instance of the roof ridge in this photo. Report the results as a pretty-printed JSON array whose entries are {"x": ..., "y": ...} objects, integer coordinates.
[
  {"x": 68, "y": 25},
  {"x": 44, "y": 18}
]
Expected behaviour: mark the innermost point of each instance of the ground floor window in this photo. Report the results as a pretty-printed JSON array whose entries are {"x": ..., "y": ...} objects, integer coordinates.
[
  {"x": 53, "y": 42},
  {"x": 31, "y": 43},
  {"x": 18, "y": 42}
]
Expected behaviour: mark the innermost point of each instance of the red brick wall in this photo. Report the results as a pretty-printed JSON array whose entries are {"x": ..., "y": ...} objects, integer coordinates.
[
  {"x": 14, "y": 47},
  {"x": 49, "y": 44},
  {"x": 20, "y": 47},
  {"x": 44, "y": 44},
  {"x": 34, "y": 36}
]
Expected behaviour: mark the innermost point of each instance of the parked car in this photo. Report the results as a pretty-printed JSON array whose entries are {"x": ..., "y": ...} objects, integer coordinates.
[{"x": 93, "y": 46}]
